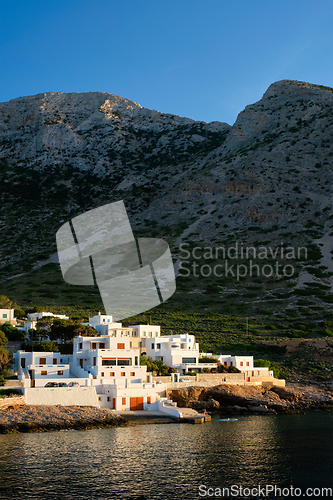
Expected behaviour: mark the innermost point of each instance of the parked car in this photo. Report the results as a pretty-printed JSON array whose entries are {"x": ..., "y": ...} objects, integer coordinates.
[
  {"x": 73, "y": 384},
  {"x": 56, "y": 384}
]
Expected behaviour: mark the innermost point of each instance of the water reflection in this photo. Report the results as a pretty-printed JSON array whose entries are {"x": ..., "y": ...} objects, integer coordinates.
[{"x": 166, "y": 462}]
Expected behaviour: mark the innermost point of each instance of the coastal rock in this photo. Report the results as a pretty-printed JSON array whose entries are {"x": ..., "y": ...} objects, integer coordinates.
[
  {"x": 249, "y": 398},
  {"x": 25, "y": 418}
]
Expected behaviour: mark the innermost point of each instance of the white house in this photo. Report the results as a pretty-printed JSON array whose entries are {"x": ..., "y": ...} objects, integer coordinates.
[
  {"x": 120, "y": 381},
  {"x": 178, "y": 351},
  {"x": 107, "y": 364},
  {"x": 38, "y": 368},
  {"x": 147, "y": 331},
  {"x": 243, "y": 363},
  {"x": 101, "y": 319},
  {"x": 7, "y": 316},
  {"x": 29, "y": 325},
  {"x": 40, "y": 315}
]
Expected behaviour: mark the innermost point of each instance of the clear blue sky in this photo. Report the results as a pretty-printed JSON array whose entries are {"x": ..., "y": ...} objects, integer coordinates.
[{"x": 205, "y": 59}]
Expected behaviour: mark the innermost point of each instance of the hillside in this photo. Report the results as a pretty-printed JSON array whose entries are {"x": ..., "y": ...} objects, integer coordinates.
[{"x": 265, "y": 181}]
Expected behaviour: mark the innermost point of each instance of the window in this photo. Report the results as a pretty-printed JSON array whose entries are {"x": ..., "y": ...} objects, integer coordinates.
[
  {"x": 111, "y": 374},
  {"x": 60, "y": 372},
  {"x": 4, "y": 315},
  {"x": 124, "y": 362},
  {"x": 55, "y": 361},
  {"x": 153, "y": 346},
  {"x": 80, "y": 346},
  {"x": 93, "y": 345},
  {"x": 189, "y": 360},
  {"x": 94, "y": 361},
  {"x": 132, "y": 374},
  {"x": 149, "y": 400},
  {"x": 43, "y": 373},
  {"x": 122, "y": 374},
  {"x": 102, "y": 345},
  {"x": 120, "y": 346},
  {"x": 42, "y": 361},
  {"x": 225, "y": 363},
  {"x": 231, "y": 363},
  {"x": 123, "y": 401},
  {"x": 102, "y": 374},
  {"x": 158, "y": 346},
  {"x": 241, "y": 363},
  {"x": 108, "y": 398},
  {"x": 247, "y": 363},
  {"x": 99, "y": 398},
  {"x": 109, "y": 362},
  {"x": 131, "y": 344}
]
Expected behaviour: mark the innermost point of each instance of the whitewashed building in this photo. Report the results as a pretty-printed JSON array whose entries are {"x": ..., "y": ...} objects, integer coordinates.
[
  {"x": 107, "y": 364},
  {"x": 40, "y": 315},
  {"x": 35, "y": 369},
  {"x": 243, "y": 363},
  {"x": 121, "y": 383},
  {"x": 7, "y": 316},
  {"x": 178, "y": 351}
]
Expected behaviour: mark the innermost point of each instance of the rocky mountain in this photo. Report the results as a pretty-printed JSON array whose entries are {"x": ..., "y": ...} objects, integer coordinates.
[{"x": 264, "y": 182}]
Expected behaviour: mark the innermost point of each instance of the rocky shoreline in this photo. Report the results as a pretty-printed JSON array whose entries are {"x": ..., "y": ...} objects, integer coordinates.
[
  {"x": 248, "y": 399},
  {"x": 25, "y": 418},
  {"x": 19, "y": 417}
]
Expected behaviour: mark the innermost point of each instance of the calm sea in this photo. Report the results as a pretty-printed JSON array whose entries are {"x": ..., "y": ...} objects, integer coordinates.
[{"x": 170, "y": 461}]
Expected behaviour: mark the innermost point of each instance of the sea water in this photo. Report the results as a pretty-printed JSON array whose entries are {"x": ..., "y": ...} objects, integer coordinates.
[{"x": 171, "y": 461}]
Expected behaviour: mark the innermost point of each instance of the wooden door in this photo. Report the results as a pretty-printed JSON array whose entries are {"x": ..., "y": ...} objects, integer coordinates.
[{"x": 136, "y": 403}]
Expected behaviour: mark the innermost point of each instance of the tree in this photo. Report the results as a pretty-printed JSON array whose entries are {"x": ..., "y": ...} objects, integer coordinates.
[
  {"x": 157, "y": 367},
  {"x": 5, "y": 356},
  {"x": 208, "y": 359},
  {"x": 12, "y": 333},
  {"x": 41, "y": 346},
  {"x": 67, "y": 329},
  {"x": 6, "y": 303},
  {"x": 3, "y": 339}
]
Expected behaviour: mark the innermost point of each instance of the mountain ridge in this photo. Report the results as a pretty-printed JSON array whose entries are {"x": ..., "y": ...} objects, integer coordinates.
[{"x": 266, "y": 178}]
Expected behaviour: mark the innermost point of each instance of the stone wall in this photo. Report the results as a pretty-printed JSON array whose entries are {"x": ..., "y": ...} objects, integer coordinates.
[
  {"x": 16, "y": 400},
  {"x": 220, "y": 378},
  {"x": 13, "y": 383}
]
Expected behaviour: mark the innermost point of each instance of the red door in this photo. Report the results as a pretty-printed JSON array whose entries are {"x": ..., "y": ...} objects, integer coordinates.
[{"x": 136, "y": 403}]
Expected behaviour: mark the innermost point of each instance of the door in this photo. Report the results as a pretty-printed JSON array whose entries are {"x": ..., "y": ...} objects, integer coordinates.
[{"x": 136, "y": 403}]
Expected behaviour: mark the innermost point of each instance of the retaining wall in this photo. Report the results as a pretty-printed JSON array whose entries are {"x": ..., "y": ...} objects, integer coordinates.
[
  {"x": 16, "y": 400},
  {"x": 64, "y": 396}
]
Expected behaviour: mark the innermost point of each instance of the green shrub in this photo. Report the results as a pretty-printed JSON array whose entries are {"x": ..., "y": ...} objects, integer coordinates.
[{"x": 207, "y": 359}]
